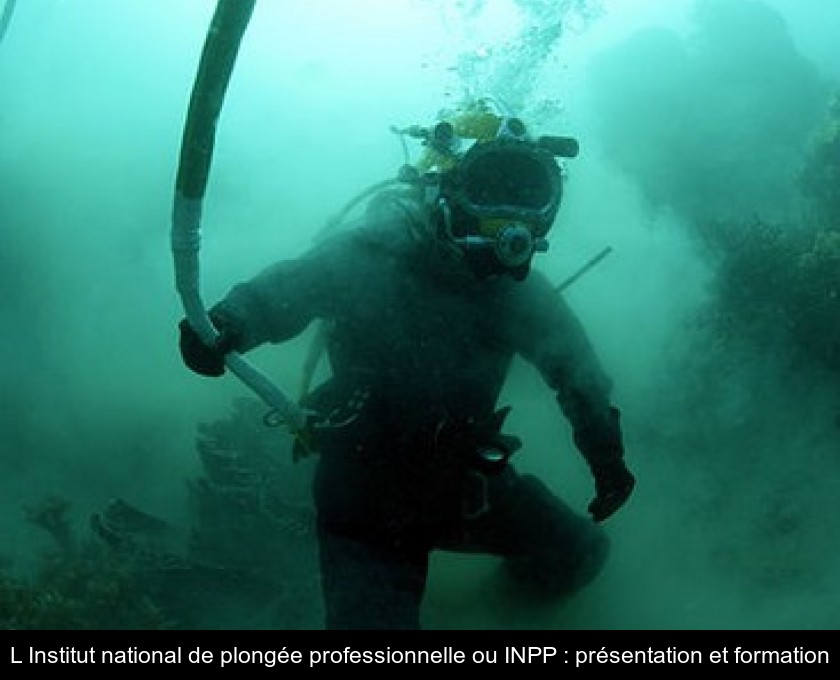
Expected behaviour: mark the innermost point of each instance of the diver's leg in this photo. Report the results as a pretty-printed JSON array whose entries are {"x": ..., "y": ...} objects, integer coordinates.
[
  {"x": 370, "y": 585},
  {"x": 549, "y": 550}
]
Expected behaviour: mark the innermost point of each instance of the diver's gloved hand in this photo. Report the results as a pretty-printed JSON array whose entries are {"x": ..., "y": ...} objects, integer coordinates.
[
  {"x": 601, "y": 442},
  {"x": 203, "y": 359},
  {"x": 613, "y": 485}
]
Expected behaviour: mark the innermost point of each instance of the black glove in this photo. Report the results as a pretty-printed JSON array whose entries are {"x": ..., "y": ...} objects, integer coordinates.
[
  {"x": 600, "y": 441},
  {"x": 203, "y": 359},
  {"x": 613, "y": 485}
]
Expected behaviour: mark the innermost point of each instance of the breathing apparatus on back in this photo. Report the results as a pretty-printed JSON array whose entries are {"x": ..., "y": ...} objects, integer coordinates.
[{"x": 489, "y": 190}]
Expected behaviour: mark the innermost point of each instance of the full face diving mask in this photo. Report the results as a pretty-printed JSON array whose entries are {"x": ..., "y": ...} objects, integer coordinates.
[{"x": 501, "y": 199}]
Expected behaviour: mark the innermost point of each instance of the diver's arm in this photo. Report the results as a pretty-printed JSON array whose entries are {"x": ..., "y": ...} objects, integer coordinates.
[
  {"x": 281, "y": 301},
  {"x": 274, "y": 306},
  {"x": 254, "y": 312},
  {"x": 552, "y": 338}
]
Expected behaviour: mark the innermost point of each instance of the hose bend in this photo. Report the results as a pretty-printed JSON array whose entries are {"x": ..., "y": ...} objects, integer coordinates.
[{"x": 218, "y": 57}]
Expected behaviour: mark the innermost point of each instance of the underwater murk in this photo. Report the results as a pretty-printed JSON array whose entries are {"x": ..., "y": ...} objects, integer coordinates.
[{"x": 136, "y": 496}]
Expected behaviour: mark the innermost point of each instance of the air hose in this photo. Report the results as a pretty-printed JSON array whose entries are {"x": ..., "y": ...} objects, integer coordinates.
[{"x": 218, "y": 56}]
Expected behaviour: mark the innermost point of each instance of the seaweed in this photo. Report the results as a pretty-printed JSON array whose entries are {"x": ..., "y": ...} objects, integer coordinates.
[{"x": 245, "y": 561}]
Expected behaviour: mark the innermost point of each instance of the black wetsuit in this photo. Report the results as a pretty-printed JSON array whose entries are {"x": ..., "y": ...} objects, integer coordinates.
[{"x": 419, "y": 350}]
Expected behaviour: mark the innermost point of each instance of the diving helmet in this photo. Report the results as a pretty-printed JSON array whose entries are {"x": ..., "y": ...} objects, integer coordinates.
[
  {"x": 496, "y": 201},
  {"x": 502, "y": 197}
]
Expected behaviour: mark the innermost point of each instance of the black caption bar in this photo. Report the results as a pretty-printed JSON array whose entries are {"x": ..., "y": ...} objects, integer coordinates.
[{"x": 577, "y": 652}]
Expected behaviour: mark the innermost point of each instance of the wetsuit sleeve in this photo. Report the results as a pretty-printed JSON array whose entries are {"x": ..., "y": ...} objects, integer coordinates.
[
  {"x": 550, "y": 336},
  {"x": 283, "y": 299}
]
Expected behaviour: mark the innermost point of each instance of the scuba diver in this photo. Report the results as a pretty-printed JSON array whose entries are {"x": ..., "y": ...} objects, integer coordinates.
[{"x": 424, "y": 303}]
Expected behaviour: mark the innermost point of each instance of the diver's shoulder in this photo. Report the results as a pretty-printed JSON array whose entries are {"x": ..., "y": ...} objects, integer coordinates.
[
  {"x": 538, "y": 280},
  {"x": 535, "y": 285},
  {"x": 364, "y": 241},
  {"x": 390, "y": 234}
]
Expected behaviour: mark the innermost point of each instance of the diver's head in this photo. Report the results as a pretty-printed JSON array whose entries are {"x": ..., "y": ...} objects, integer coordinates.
[
  {"x": 491, "y": 190},
  {"x": 497, "y": 204}
]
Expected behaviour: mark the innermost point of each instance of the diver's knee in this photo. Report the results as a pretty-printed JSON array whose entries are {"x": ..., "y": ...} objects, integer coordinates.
[{"x": 561, "y": 570}]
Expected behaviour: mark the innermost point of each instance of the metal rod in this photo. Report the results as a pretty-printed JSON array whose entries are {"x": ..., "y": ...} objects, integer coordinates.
[{"x": 585, "y": 268}]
